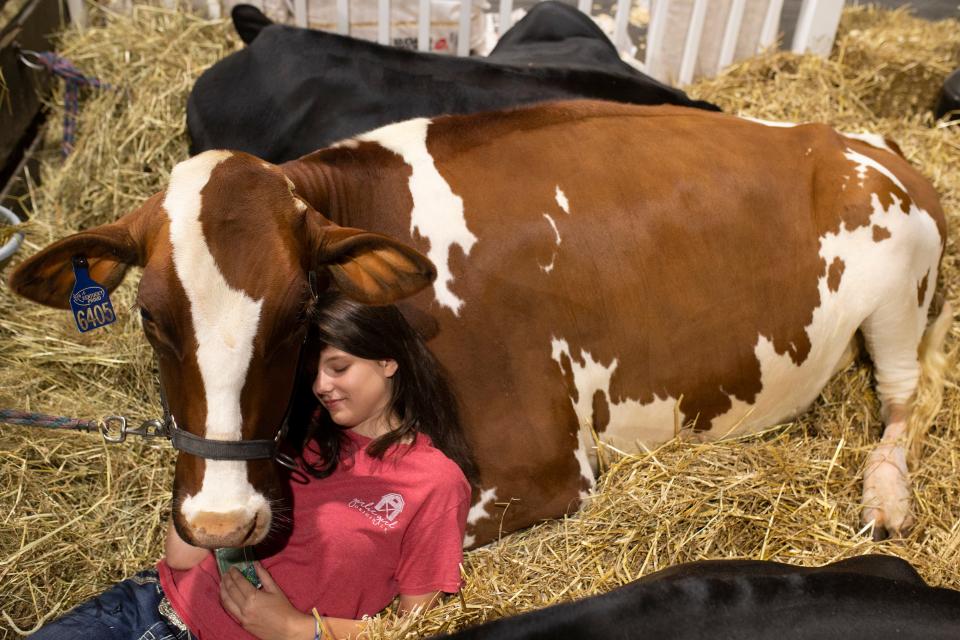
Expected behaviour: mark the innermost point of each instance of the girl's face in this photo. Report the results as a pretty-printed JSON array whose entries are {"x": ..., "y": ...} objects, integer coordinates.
[{"x": 355, "y": 391}]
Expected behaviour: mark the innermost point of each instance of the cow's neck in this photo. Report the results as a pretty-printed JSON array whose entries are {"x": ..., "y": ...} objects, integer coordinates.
[
  {"x": 353, "y": 187},
  {"x": 316, "y": 182}
]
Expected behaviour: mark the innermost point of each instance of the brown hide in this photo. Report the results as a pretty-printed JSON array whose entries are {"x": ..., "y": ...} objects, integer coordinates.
[{"x": 689, "y": 234}]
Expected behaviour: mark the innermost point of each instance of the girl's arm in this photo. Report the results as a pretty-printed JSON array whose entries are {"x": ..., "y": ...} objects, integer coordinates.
[
  {"x": 344, "y": 628},
  {"x": 266, "y": 613},
  {"x": 179, "y": 554},
  {"x": 425, "y": 601}
]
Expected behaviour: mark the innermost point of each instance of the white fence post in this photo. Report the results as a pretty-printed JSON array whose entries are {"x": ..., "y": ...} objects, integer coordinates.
[
  {"x": 771, "y": 24},
  {"x": 423, "y": 26},
  {"x": 506, "y": 20},
  {"x": 659, "y": 9},
  {"x": 383, "y": 21},
  {"x": 731, "y": 33},
  {"x": 463, "y": 39},
  {"x": 300, "y": 13},
  {"x": 620, "y": 40},
  {"x": 343, "y": 17},
  {"x": 691, "y": 46},
  {"x": 78, "y": 13},
  {"x": 817, "y": 26}
]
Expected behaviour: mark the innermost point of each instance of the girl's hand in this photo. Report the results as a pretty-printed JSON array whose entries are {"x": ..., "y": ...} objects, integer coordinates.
[{"x": 266, "y": 613}]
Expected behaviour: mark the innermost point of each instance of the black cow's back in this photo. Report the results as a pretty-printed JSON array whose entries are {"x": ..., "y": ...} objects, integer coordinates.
[
  {"x": 292, "y": 90},
  {"x": 552, "y": 34},
  {"x": 858, "y": 599}
]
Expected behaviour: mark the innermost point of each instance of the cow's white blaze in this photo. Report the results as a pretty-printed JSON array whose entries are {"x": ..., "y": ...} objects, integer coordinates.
[
  {"x": 479, "y": 511},
  {"x": 437, "y": 213},
  {"x": 225, "y": 323},
  {"x": 872, "y": 276},
  {"x": 562, "y": 200}
]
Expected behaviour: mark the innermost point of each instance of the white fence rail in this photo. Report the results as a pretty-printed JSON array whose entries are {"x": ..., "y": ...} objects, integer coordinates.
[{"x": 685, "y": 39}]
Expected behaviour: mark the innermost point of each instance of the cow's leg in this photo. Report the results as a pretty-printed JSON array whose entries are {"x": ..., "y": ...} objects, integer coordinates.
[{"x": 893, "y": 336}]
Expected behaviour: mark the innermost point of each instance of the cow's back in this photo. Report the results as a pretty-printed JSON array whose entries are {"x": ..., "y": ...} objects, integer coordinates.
[{"x": 656, "y": 252}]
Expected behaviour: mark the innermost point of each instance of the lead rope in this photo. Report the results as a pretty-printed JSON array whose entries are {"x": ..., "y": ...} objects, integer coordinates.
[
  {"x": 73, "y": 79},
  {"x": 113, "y": 429}
]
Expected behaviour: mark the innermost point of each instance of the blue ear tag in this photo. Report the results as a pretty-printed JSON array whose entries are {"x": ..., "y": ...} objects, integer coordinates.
[{"x": 90, "y": 301}]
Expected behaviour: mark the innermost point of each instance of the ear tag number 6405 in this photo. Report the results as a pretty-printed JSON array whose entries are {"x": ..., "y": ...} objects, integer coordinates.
[{"x": 89, "y": 301}]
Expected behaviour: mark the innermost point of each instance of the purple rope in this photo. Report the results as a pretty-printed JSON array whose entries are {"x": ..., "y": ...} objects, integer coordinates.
[
  {"x": 24, "y": 418},
  {"x": 73, "y": 79}
]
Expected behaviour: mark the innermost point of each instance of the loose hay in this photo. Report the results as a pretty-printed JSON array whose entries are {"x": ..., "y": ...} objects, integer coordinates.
[{"x": 80, "y": 515}]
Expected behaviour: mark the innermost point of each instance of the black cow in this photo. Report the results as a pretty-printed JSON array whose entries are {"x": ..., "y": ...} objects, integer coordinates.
[
  {"x": 863, "y": 598},
  {"x": 292, "y": 91}
]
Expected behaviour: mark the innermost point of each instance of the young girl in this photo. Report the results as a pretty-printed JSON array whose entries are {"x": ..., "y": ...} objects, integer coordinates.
[{"x": 383, "y": 513}]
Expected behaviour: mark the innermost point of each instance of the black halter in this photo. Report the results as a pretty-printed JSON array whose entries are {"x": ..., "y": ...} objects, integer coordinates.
[{"x": 211, "y": 449}]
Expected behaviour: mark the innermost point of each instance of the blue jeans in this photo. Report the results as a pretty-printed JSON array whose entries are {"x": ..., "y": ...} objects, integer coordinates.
[{"x": 134, "y": 609}]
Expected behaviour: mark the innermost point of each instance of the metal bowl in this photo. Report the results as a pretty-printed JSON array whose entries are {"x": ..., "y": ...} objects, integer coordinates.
[{"x": 11, "y": 246}]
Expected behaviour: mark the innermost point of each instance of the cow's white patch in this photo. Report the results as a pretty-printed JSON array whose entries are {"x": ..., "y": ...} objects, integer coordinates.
[
  {"x": 863, "y": 163},
  {"x": 437, "y": 212},
  {"x": 562, "y": 200},
  {"x": 549, "y": 267},
  {"x": 631, "y": 422},
  {"x": 586, "y": 449},
  {"x": 479, "y": 511},
  {"x": 874, "y": 275},
  {"x": 554, "y": 226},
  {"x": 872, "y": 139},
  {"x": 770, "y": 123},
  {"x": 225, "y": 323}
]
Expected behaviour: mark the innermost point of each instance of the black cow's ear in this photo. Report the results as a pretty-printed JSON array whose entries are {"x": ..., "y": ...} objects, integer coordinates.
[
  {"x": 248, "y": 20},
  {"x": 371, "y": 268},
  {"x": 47, "y": 276}
]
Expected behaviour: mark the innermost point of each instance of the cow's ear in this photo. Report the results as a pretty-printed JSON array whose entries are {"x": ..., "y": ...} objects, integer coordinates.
[
  {"x": 371, "y": 268},
  {"x": 47, "y": 277}
]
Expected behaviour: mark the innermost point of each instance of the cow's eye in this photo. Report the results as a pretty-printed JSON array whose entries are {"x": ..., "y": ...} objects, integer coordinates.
[{"x": 145, "y": 315}]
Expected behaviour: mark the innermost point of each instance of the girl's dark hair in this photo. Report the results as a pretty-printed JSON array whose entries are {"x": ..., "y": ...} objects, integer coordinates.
[{"x": 421, "y": 398}]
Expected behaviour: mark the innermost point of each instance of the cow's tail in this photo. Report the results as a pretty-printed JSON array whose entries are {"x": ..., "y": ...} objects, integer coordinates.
[{"x": 934, "y": 364}]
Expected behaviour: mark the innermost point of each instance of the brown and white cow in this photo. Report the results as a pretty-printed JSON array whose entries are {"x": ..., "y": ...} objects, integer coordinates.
[{"x": 595, "y": 264}]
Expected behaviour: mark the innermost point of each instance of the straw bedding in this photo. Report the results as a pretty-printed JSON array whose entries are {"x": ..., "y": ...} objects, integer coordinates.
[{"x": 77, "y": 515}]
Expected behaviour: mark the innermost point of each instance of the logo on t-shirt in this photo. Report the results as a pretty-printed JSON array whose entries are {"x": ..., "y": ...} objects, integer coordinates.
[
  {"x": 391, "y": 505},
  {"x": 383, "y": 513}
]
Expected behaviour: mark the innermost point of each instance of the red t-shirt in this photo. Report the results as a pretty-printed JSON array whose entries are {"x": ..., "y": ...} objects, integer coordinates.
[{"x": 371, "y": 530}]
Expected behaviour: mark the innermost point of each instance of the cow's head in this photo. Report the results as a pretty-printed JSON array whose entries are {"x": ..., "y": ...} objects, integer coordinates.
[{"x": 225, "y": 251}]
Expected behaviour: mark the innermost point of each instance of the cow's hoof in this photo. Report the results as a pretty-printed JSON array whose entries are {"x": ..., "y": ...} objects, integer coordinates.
[{"x": 886, "y": 492}]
